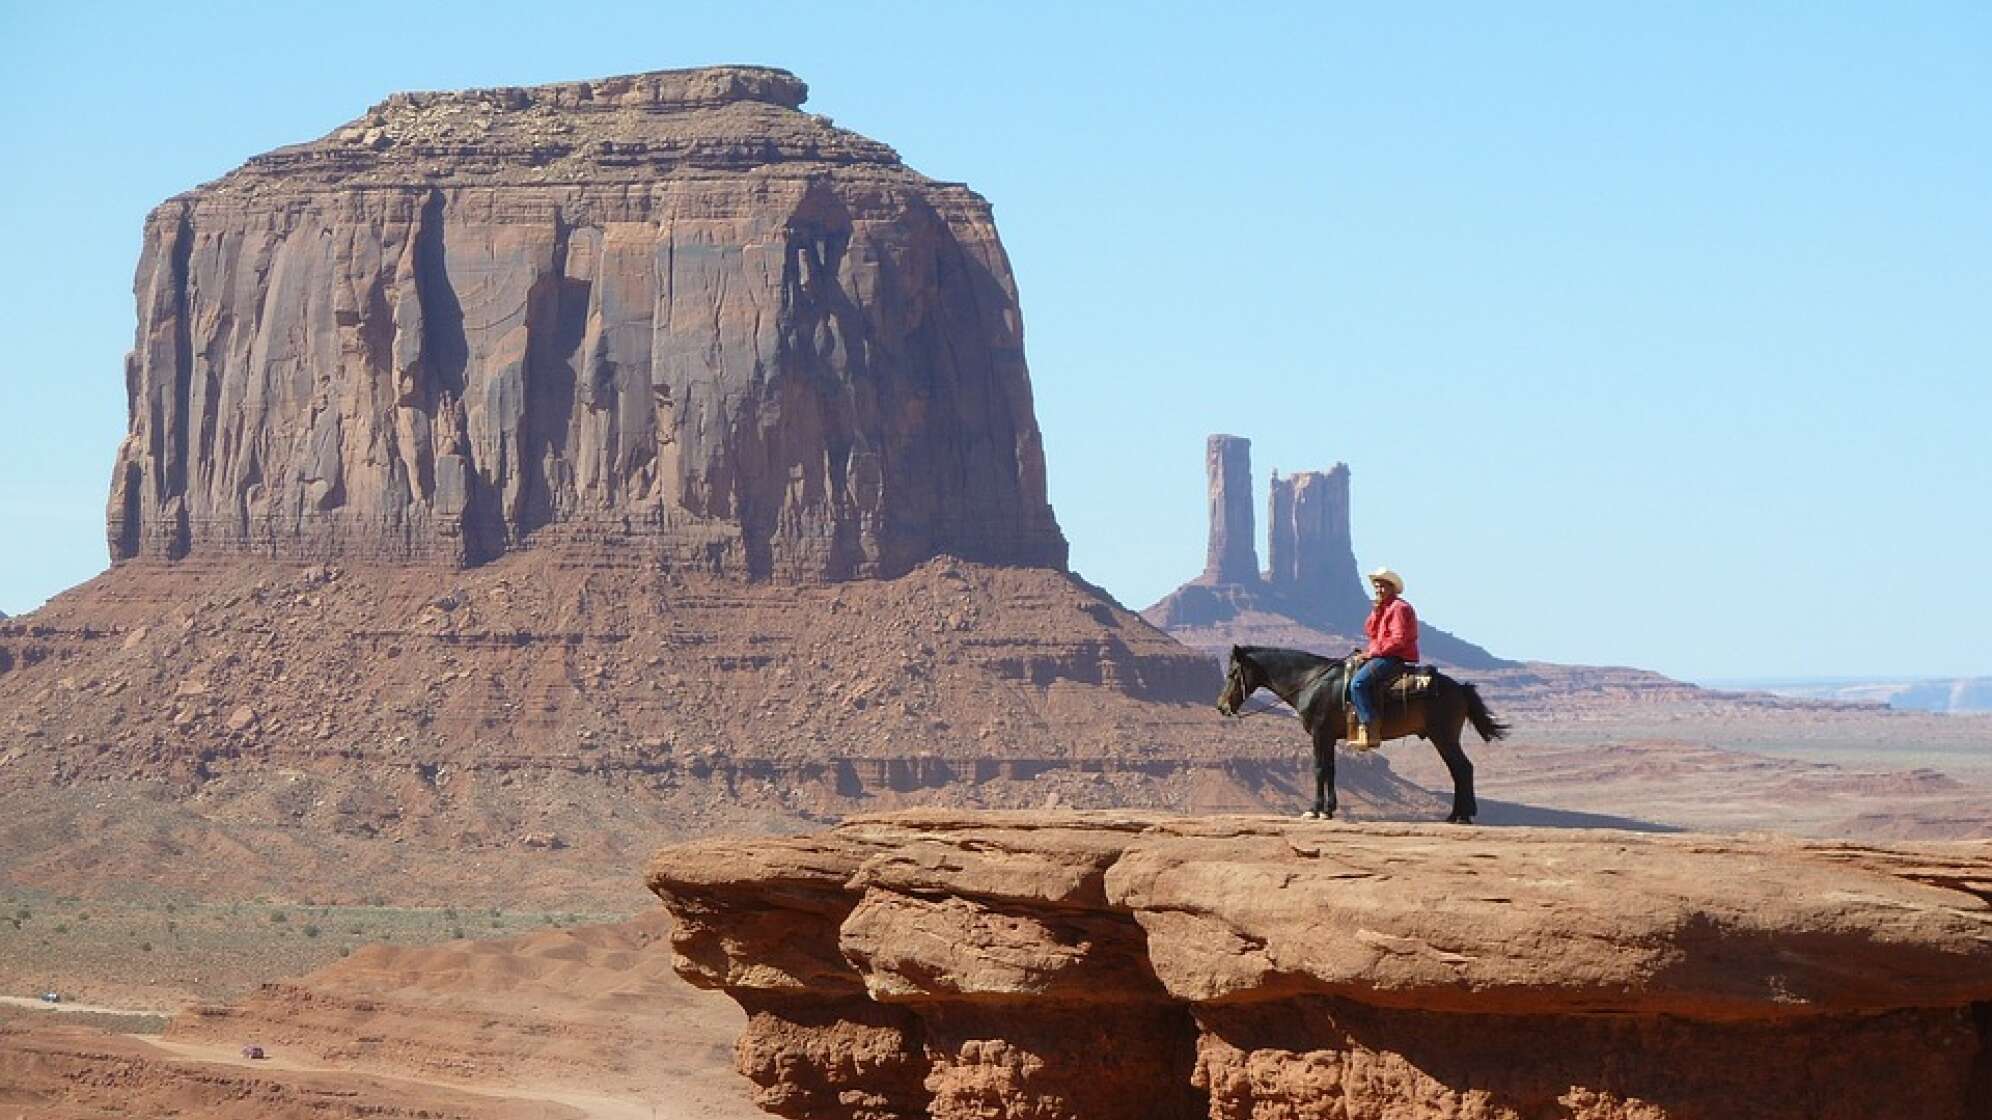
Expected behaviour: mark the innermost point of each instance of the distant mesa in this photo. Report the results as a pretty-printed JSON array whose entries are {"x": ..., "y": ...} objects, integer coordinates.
[
  {"x": 668, "y": 314},
  {"x": 1311, "y": 594},
  {"x": 1940, "y": 694}
]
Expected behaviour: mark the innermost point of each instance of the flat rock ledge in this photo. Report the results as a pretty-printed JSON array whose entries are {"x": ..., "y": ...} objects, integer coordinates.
[{"x": 1105, "y": 965}]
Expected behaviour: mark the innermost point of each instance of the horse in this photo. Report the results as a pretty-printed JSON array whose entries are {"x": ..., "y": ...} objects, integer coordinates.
[{"x": 1316, "y": 687}]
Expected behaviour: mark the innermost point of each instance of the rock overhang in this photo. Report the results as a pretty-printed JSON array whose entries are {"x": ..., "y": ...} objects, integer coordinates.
[
  {"x": 1434, "y": 916},
  {"x": 1102, "y": 965}
]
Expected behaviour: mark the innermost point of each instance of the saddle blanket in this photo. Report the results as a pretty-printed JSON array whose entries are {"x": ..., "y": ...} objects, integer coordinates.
[{"x": 1413, "y": 681}]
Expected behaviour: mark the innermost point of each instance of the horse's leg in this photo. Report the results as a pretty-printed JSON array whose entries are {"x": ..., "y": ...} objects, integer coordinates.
[
  {"x": 1446, "y": 739},
  {"x": 1324, "y": 771}
]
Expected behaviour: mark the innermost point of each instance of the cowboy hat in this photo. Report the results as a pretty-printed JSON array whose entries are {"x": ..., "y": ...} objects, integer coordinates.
[{"x": 1392, "y": 578}]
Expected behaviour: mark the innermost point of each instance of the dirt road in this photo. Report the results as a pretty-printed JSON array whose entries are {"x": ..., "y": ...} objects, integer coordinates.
[
  {"x": 36, "y": 1003},
  {"x": 588, "y": 1106}
]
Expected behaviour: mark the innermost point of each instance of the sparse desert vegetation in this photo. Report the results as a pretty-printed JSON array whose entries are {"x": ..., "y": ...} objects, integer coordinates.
[{"x": 160, "y": 953}]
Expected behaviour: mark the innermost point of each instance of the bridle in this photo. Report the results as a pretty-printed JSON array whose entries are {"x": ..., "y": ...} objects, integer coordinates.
[{"x": 1241, "y": 712}]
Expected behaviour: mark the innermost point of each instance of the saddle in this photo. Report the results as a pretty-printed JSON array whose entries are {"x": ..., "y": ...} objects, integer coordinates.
[{"x": 1402, "y": 687}]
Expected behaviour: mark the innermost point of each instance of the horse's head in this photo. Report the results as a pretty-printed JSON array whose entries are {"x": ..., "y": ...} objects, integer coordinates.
[{"x": 1242, "y": 679}]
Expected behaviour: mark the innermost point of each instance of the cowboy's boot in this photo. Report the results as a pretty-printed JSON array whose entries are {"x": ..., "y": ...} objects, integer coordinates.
[{"x": 1362, "y": 736}]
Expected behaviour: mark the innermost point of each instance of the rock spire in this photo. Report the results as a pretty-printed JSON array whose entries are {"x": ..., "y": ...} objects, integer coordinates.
[
  {"x": 1232, "y": 557},
  {"x": 1311, "y": 596}
]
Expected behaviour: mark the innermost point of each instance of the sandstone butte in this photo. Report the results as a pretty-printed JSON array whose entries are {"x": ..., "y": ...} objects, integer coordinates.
[
  {"x": 668, "y": 310},
  {"x": 1108, "y": 965}
]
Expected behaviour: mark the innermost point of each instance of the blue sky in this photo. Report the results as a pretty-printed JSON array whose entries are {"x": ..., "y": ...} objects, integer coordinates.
[{"x": 1653, "y": 334}]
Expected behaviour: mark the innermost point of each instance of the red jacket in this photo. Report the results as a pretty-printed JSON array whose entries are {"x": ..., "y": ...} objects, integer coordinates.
[{"x": 1393, "y": 630}]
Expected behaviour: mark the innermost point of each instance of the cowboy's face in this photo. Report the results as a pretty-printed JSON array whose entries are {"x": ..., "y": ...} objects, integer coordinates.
[{"x": 1383, "y": 590}]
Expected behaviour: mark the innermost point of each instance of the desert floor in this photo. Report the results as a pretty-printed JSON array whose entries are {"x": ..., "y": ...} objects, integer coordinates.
[{"x": 394, "y": 1006}]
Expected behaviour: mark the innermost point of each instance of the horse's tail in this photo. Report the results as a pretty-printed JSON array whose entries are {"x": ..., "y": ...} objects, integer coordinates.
[{"x": 1483, "y": 720}]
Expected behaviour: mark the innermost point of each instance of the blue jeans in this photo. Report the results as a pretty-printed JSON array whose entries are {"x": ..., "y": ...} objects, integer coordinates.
[{"x": 1365, "y": 679}]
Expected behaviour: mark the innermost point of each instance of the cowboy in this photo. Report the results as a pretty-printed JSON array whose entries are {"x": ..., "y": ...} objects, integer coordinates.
[{"x": 1392, "y": 627}]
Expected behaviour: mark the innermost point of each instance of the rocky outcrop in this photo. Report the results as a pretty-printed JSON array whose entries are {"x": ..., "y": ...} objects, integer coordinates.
[
  {"x": 1311, "y": 597},
  {"x": 1123, "y": 965},
  {"x": 670, "y": 310}
]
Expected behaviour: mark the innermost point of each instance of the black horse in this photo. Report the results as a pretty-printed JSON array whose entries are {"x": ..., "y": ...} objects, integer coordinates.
[{"x": 1316, "y": 688}]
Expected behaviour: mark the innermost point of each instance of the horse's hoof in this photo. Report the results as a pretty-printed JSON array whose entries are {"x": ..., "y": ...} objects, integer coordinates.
[
  {"x": 1317, "y": 815},
  {"x": 1458, "y": 818}
]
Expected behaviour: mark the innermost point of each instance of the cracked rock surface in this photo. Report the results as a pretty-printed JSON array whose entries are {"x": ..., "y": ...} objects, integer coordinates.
[{"x": 1125, "y": 964}]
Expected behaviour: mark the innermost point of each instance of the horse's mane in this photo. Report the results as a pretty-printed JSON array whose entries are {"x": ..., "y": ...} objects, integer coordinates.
[{"x": 1273, "y": 659}]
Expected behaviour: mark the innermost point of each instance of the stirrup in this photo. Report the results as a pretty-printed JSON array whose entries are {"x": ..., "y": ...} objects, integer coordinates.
[{"x": 1364, "y": 738}]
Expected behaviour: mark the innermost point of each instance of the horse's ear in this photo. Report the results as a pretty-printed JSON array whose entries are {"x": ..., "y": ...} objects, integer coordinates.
[{"x": 1237, "y": 652}]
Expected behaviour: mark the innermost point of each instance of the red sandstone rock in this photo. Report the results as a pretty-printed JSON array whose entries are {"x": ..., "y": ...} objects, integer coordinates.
[
  {"x": 669, "y": 309},
  {"x": 1133, "y": 965}
]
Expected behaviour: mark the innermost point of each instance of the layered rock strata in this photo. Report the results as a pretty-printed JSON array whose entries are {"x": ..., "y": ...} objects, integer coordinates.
[
  {"x": 1124, "y": 965},
  {"x": 671, "y": 309}
]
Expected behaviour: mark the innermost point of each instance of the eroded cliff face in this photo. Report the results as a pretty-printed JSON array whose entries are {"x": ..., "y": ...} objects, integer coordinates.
[
  {"x": 1122, "y": 965},
  {"x": 671, "y": 309}
]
